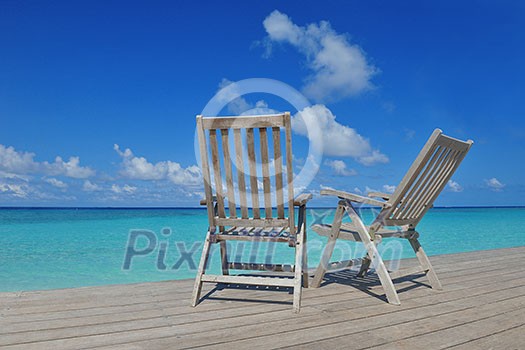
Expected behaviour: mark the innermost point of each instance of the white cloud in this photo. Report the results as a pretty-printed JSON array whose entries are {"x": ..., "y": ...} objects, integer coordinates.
[
  {"x": 389, "y": 188},
  {"x": 15, "y": 190},
  {"x": 369, "y": 189},
  {"x": 18, "y": 162},
  {"x": 338, "y": 140},
  {"x": 494, "y": 184},
  {"x": 373, "y": 158},
  {"x": 89, "y": 186},
  {"x": 409, "y": 134},
  {"x": 340, "y": 168},
  {"x": 139, "y": 168},
  {"x": 323, "y": 187},
  {"x": 11, "y": 176},
  {"x": 388, "y": 106},
  {"x": 237, "y": 104},
  {"x": 127, "y": 189},
  {"x": 454, "y": 186},
  {"x": 70, "y": 168},
  {"x": 261, "y": 104},
  {"x": 56, "y": 183},
  {"x": 338, "y": 68}
]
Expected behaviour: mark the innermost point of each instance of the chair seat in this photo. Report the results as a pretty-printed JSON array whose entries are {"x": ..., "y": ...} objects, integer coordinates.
[
  {"x": 270, "y": 234},
  {"x": 349, "y": 232}
]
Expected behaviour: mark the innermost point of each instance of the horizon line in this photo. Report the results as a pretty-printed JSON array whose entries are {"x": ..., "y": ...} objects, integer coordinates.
[{"x": 204, "y": 207}]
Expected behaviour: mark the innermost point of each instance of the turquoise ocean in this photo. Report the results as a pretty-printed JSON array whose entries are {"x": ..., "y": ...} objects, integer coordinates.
[{"x": 63, "y": 248}]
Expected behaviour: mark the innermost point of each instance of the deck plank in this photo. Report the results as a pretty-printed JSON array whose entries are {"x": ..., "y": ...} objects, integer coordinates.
[
  {"x": 117, "y": 304},
  {"x": 510, "y": 338},
  {"x": 345, "y": 312}
]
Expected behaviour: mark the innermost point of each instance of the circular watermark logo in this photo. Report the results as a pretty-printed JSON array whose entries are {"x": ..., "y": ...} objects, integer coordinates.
[{"x": 235, "y": 92}]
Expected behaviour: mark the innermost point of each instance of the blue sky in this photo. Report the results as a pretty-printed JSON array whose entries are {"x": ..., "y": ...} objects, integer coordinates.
[{"x": 78, "y": 78}]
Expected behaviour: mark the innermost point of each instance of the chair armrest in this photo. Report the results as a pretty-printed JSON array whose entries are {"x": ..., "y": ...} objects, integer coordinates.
[
  {"x": 302, "y": 199},
  {"x": 385, "y": 196},
  {"x": 203, "y": 201},
  {"x": 355, "y": 198}
]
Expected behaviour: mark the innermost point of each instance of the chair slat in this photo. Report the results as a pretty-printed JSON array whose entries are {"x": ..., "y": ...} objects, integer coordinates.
[
  {"x": 429, "y": 182},
  {"x": 241, "y": 182},
  {"x": 422, "y": 181},
  {"x": 263, "y": 138},
  {"x": 217, "y": 172},
  {"x": 242, "y": 122},
  {"x": 413, "y": 172},
  {"x": 438, "y": 176},
  {"x": 205, "y": 170},
  {"x": 459, "y": 150},
  {"x": 228, "y": 172},
  {"x": 435, "y": 152},
  {"x": 276, "y": 135},
  {"x": 426, "y": 178},
  {"x": 250, "y": 142},
  {"x": 440, "y": 182},
  {"x": 289, "y": 171},
  {"x": 253, "y": 222}
]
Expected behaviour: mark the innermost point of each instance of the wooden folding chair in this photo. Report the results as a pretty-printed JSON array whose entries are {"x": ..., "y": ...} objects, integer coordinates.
[
  {"x": 248, "y": 224},
  {"x": 415, "y": 195}
]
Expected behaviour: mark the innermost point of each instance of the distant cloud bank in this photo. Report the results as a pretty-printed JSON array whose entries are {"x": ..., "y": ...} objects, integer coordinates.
[
  {"x": 18, "y": 162},
  {"x": 139, "y": 168}
]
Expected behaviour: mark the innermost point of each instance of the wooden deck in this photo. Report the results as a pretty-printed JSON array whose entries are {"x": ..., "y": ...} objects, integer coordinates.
[{"x": 481, "y": 306}]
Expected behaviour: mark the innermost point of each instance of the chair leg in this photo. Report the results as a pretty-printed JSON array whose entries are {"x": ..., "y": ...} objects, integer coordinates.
[
  {"x": 305, "y": 261},
  {"x": 382, "y": 273},
  {"x": 325, "y": 259},
  {"x": 224, "y": 258},
  {"x": 365, "y": 265},
  {"x": 377, "y": 261},
  {"x": 425, "y": 263},
  {"x": 202, "y": 266},
  {"x": 298, "y": 275},
  {"x": 367, "y": 260},
  {"x": 329, "y": 248}
]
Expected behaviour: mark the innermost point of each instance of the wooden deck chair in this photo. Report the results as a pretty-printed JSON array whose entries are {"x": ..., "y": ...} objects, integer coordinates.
[
  {"x": 250, "y": 223},
  {"x": 415, "y": 195}
]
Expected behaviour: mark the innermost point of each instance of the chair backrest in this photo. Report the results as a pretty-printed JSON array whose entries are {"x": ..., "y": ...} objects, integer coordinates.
[
  {"x": 426, "y": 178},
  {"x": 242, "y": 174}
]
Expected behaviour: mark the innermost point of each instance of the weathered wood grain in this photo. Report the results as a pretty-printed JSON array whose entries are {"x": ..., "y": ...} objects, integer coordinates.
[{"x": 467, "y": 314}]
